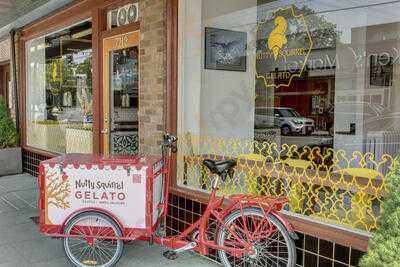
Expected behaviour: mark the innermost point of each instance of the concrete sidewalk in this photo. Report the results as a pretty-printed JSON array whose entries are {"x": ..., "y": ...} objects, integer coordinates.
[{"x": 21, "y": 245}]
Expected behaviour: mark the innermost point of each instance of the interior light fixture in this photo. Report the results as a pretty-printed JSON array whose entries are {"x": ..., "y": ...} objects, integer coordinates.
[{"x": 81, "y": 34}]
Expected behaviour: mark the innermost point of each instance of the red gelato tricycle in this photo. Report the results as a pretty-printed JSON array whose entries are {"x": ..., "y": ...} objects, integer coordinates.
[{"x": 96, "y": 204}]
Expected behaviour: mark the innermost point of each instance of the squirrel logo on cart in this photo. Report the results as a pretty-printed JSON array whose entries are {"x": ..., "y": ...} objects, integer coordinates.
[{"x": 284, "y": 44}]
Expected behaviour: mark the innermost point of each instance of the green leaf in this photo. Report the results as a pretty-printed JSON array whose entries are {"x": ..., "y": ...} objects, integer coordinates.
[
  {"x": 8, "y": 133},
  {"x": 384, "y": 247}
]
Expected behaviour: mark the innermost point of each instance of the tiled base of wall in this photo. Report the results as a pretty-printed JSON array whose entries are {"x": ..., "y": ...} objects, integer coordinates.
[
  {"x": 311, "y": 251},
  {"x": 30, "y": 162}
]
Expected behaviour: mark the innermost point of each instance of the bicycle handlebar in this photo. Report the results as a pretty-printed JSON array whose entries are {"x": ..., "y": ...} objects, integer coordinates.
[{"x": 169, "y": 141}]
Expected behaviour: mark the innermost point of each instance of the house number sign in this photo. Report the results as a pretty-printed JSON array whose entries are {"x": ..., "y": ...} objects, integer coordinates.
[{"x": 121, "y": 41}]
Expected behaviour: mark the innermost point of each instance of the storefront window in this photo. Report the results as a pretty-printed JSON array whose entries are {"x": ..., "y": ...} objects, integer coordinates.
[
  {"x": 59, "y": 90},
  {"x": 302, "y": 93}
]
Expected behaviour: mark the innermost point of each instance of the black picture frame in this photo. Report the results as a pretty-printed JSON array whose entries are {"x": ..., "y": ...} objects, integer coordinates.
[
  {"x": 225, "y": 49},
  {"x": 381, "y": 71}
]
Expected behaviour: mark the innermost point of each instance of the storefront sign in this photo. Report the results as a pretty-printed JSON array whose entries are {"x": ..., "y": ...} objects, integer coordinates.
[{"x": 283, "y": 47}]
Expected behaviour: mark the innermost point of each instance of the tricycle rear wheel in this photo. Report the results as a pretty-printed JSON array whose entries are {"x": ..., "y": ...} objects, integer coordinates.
[
  {"x": 271, "y": 240},
  {"x": 88, "y": 251}
]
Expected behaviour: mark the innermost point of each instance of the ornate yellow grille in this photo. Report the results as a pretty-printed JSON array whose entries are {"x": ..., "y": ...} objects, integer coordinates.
[{"x": 320, "y": 182}]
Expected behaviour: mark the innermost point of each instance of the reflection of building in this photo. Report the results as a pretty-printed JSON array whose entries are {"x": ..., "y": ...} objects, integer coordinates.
[
  {"x": 350, "y": 85},
  {"x": 365, "y": 94}
]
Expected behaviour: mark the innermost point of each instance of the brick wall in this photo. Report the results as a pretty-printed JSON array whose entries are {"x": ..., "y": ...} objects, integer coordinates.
[{"x": 153, "y": 74}]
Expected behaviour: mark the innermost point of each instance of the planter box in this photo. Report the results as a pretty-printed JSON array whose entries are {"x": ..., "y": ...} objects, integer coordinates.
[{"x": 10, "y": 161}]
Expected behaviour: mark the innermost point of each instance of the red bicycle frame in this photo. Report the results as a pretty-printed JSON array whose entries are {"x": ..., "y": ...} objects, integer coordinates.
[{"x": 269, "y": 205}]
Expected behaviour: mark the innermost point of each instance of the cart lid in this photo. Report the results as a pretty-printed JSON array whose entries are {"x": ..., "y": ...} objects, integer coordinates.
[{"x": 78, "y": 159}]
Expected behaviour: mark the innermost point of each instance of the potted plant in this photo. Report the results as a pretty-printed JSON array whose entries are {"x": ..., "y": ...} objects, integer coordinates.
[
  {"x": 10, "y": 153},
  {"x": 384, "y": 247}
]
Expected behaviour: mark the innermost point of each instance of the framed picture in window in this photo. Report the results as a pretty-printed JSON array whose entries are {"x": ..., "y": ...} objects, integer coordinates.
[
  {"x": 381, "y": 70},
  {"x": 225, "y": 49}
]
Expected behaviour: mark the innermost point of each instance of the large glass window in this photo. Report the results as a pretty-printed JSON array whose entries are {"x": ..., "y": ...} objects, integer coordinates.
[
  {"x": 59, "y": 90},
  {"x": 303, "y": 93}
]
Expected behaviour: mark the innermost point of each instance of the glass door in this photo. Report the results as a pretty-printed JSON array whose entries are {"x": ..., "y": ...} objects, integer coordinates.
[{"x": 120, "y": 94}]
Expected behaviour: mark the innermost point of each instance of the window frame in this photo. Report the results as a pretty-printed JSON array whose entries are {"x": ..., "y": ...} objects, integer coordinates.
[
  {"x": 23, "y": 78},
  {"x": 307, "y": 225},
  {"x": 54, "y": 22}
]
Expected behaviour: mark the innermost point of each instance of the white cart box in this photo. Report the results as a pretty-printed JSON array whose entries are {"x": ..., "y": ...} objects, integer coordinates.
[{"x": 129, "y": 189}]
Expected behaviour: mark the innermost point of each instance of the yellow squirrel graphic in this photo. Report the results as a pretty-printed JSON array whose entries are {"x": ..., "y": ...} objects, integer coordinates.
[{"x": 277, "y": 38}]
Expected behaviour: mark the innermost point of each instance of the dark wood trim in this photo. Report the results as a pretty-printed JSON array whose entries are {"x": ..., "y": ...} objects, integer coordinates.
[
  {"x": 116, "y": 4},
  {"x": 5, "y": 62},
  {"x": 131, "y": 27},
  {"x": 6, "y": 77},
  {"x": 68, "y": 15},
  {"x": 191, "y": 194},
  {"x": 100, "y": 84},
  {"x": 172, "y": 65},
  {"x": 335, "y": 233},
  {"x": 304, "y": 224},
  {"x": 21, "y": 85},
  {"x": 5, "y": 72},
  {"x": 172, "y": 76},
  {"x": 59, "y": 19},
  {"x": 40, "y": 152},
  {"x": 98, "y": 25}
]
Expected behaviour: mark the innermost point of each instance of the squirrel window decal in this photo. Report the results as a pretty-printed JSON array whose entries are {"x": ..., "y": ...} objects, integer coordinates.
[{"x": 277, "y": 38}]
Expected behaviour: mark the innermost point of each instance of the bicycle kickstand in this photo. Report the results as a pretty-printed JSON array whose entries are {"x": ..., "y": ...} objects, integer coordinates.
[{"x": 174, "y": 254}]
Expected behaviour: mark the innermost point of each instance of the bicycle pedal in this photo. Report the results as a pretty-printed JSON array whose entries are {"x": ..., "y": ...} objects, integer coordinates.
[{"x": 170, "y": 254}]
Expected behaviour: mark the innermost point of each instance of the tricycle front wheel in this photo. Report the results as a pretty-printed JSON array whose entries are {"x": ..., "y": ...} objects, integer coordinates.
[{"x": 87, "y": 250}]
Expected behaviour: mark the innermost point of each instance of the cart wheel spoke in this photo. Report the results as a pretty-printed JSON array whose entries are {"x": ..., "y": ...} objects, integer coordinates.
[{"x": 92, "y": 248}]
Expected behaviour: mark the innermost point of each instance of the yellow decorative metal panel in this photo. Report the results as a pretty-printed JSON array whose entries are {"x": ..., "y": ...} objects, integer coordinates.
[{"x": 331, "y": 185}]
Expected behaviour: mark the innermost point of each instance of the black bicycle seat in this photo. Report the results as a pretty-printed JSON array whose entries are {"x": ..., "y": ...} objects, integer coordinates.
[{"x": 219, "y": 167}]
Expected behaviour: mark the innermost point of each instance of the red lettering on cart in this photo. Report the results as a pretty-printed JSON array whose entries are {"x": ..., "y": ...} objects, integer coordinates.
[
  {"x": 87, "y": 195},
  {"x": 78, "y": 194},
  {"x": 121, "y": 196}
]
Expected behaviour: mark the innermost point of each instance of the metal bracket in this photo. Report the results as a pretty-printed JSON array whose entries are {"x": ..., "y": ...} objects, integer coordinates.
[{"x": 186, "y": 247}]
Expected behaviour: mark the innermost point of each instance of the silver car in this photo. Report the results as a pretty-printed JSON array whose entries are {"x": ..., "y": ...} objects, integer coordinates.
[{"x": 288, "y": 119}]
